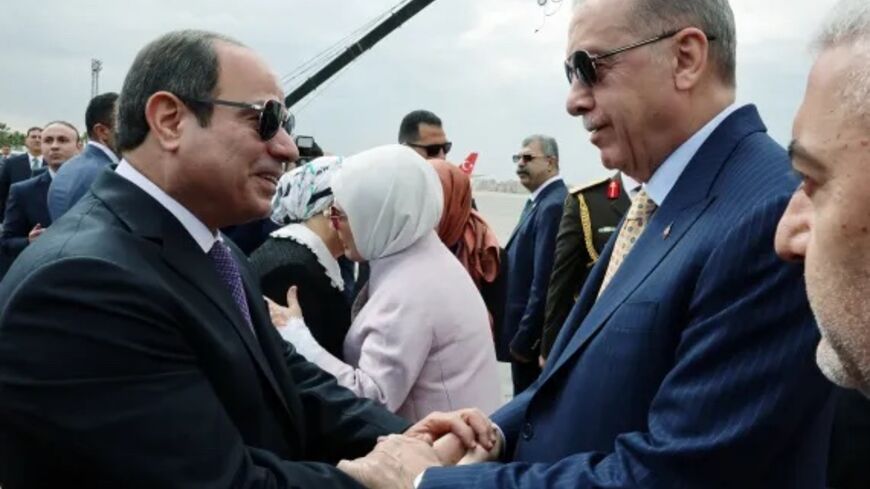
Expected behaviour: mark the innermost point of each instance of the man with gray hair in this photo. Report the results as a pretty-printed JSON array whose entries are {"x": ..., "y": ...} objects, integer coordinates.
[
  {"x": 687, "y": 359},
  {"x": 529, "y": 258},
  {"x": 826, "y": 224}
]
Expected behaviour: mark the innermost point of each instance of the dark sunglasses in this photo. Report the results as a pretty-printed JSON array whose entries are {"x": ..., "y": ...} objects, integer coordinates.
[
  {"x": 432, "y": 150},
  {"x": 527, "y": 158},
  {"x": 582, "y": 65},
  {"x": 273, "y": 115}
]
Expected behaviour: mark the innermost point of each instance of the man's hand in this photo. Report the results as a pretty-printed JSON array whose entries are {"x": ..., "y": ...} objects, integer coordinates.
[
  {"x": 471, "y": 426},
  {"x": 393, "y": 464},
  {"x": 281, "y": 315},
  {"x": 35, "y": 233},
  {"x": 451, "y": 451}
]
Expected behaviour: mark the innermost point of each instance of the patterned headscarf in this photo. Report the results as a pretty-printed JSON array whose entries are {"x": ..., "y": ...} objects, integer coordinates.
[{"x": 305, "y": 191}]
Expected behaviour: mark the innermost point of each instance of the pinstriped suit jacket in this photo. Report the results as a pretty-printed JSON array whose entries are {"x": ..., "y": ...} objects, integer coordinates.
[{"x": 695, "y": 368}]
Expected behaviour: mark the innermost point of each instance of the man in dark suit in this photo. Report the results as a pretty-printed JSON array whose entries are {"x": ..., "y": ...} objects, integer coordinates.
[
  {"x": 26, "y": 210},
  {"x": 590, "y": 215},
  {"x": 21, "y": 167},
  {"x": 529, "y": 253},
  {"x": 135, "y": 347},
  {"x": 688, "y": 360},
  {"x": 826, "y": 226},
  {"x": 77, "y": 175}
]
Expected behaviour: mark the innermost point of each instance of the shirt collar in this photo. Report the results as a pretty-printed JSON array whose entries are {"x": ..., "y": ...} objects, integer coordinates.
[
  {"x": 630, "y": 185},
  {"x": 204, "y": 237},
  {"x": 663, "y": 180},
  {"x": 105, "y": 149},
  {"x": 544, "y": 185},
  {"x": 51, "y": 172}
]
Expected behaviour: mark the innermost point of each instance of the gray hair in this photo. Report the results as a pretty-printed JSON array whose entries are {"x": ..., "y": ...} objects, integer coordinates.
[
  {"x": 548, "y": 145},
  {"x": 714, "y": 17},
  {"x": 848, "y": 25},
  {"x": 184, "y": 63}
]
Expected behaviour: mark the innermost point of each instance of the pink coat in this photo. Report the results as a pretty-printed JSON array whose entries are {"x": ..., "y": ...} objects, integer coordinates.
[{"x": 422, "y": 342}]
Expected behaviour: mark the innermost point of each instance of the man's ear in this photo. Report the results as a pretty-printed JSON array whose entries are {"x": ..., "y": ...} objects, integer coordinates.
[
  {"x": 691, "y": 50},
  {"x": 165, "y": 113}
]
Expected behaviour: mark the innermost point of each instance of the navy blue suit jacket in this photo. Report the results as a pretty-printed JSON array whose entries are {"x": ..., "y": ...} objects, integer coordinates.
[
  {"x": 25, "y": 208},
  {"x": 14, "y": 169},
  {"x": 529, "y": 253},
  {"x": 75, "y": 178},
  {"x": 696, "y": 366}
]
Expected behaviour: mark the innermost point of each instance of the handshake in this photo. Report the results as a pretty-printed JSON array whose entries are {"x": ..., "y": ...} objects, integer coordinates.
[{"x": 441, "y": 439}]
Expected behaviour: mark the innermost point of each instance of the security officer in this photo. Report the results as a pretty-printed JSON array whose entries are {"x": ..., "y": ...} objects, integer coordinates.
[{"x": 590, "y": 216}]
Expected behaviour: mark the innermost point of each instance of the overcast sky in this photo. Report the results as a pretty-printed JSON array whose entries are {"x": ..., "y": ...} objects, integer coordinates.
[{"x": 491, "y": 69}]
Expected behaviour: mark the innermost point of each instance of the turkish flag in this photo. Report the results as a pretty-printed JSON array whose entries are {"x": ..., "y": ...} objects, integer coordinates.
[{"x": 467, "y": 166}]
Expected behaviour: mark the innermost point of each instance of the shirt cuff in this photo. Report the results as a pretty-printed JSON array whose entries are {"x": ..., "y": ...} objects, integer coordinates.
[{"x": 419, "y": 479}]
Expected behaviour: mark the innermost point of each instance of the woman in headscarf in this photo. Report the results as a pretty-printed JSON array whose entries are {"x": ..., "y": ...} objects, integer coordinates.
[
  {"x": 464, "y": 231},
  {"x": 303, "y": 252},
  {"x": 421, "y": 341}
]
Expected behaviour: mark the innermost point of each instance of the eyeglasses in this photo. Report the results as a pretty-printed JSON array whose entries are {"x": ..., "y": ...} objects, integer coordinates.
[
  {"x": 432, "y": 150},
  {"x": 273, "y": 115},
  {"x": 583, "y": 65},
  {"x": 335, "y": 216},
  {"x": 527, "y": 158}
]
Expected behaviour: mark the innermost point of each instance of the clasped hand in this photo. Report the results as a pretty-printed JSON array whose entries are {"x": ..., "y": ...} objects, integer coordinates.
[{"x": 464, "y": 436}]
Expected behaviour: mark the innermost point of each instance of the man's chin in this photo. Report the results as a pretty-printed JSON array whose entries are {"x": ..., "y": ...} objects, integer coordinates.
[{"x": 834, "y": 368}]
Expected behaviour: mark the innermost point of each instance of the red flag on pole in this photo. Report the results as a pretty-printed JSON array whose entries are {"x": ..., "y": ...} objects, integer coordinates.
[{"x": 467, "y": 166}]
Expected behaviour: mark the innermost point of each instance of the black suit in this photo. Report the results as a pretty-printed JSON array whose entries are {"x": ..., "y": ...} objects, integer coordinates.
[
  {"x": 146, "y": 373},
  {"x": 26, "y": 207},
  {"x": 589, "y": 218},
  {"x": 13, "y": 170}
]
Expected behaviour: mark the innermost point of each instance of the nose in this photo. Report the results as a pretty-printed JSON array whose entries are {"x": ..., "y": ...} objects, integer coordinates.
[
  {"x": 282, "y": 148},
  {"x": 580, "y": 99},
  {"x": 795, "y": 228}
]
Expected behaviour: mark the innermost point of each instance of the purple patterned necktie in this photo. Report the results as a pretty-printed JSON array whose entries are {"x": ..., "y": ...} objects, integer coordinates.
[{"x": 228, "y": 270}]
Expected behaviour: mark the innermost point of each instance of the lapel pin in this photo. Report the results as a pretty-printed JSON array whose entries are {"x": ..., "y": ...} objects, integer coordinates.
[
  {"x": 613, "y": 189},
  {"x": 667, "y": 232}
]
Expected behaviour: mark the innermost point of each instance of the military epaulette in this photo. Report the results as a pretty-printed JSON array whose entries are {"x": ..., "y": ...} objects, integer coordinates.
[{"x": 579, "y": 188}]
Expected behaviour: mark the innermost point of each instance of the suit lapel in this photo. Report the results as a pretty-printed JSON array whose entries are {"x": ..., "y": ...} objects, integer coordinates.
[
  {"x": 147, "y": 218},
  {"x": 525, "y": 218},
  {"x": 686, "y": 202},
  {"x": 264, "y": 328}
]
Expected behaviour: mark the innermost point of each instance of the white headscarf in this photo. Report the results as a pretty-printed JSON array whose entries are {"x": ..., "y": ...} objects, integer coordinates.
[
  {"x": 392, "y": 198},
  {"x": 292, "y": 201}
]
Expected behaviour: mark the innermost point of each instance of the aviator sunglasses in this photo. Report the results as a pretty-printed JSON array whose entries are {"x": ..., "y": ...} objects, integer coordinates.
[
  {"x": 583, "y": 65},
  {"x": 273, "y": 115},
  {"x": 432, "y": 150}
]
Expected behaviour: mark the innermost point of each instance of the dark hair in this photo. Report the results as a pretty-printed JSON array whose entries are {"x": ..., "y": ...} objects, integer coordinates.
[
  {"x": 101, "y": 110},
  {"x": 409, "y": 129},
  {"x": 184, "y": 63},
  {"x": 34, "y": 128},
  {"x": 64, "y": 123}
]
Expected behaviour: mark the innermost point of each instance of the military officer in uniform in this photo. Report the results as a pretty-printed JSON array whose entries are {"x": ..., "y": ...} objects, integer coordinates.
[{"x": 590, "y": 216}]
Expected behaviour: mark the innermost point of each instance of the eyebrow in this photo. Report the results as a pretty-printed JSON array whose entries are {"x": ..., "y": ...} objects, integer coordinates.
[{"x": 797, "y": 151}]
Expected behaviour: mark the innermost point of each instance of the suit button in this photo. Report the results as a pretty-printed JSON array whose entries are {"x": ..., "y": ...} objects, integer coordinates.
[{"x": 528, "y": 432}]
